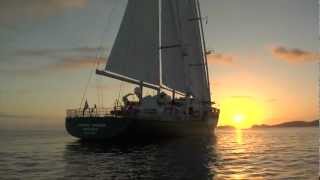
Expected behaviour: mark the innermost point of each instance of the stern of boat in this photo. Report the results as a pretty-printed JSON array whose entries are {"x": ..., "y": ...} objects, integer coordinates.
[{"x": 95, "y": 124}]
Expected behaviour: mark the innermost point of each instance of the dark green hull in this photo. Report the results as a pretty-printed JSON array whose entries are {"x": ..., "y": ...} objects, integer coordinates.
[
  {"x": 97, "y": 127},
  {"x": 114, "y": 127}
]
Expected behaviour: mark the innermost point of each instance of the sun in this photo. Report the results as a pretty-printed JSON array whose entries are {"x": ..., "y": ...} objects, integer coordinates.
[
  {"x": 238, "y": 118},
  {"x": 239, "y": 121},
  {"x": 241, "y": 112}
]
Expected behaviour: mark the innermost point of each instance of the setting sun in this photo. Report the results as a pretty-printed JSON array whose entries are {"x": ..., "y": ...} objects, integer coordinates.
[
  {"x": 238, "y": 118},
  {"x": 241, "y": 112}
]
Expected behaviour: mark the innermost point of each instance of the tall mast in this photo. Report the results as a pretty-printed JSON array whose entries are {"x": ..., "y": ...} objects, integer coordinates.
[
  {"x": 204, "y": 48},
  {"x": 160, "y": 53}
]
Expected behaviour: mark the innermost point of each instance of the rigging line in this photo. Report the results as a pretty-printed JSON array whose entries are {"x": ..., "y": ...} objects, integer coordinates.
[
  {"x": 86, "y": 87},
  {"x": 106, "y": 30},
  {"x": 120, "y": 89},
  {"x": 98, "y": 80},
  {"x": 98, "y": 85},
  {"x": 100, "y": 55},
  {"x": 96, "y": 65},
  {"x": 99, "y": 91}
]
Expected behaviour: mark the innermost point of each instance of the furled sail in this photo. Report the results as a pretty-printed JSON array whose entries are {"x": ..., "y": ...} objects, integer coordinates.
[
  {"x": 172, "y": 57},
  {"x": 135, "y": 52}
]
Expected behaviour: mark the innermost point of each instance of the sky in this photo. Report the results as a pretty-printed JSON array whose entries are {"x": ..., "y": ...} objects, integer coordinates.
[{"x": 264, "y": 69}]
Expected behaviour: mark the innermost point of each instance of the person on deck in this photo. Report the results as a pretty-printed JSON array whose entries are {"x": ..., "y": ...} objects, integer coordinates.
[
  {"x": 86, "y": 106},
  {"x": 95, "y": 110}
]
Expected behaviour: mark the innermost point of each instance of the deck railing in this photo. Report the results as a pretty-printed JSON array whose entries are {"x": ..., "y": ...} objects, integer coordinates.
[{"x": 90, "y": 112}]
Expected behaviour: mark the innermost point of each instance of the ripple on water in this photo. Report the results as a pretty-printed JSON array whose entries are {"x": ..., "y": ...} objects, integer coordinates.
[{"x": 249, "y": 154}]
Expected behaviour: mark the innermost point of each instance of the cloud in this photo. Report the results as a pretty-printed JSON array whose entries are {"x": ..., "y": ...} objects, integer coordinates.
[
  {"x": 12, "y": 11},
  {"x": 32, "y": 52},
  {"x": 271, "y": 100},
  {"x": 294, "y": 55},
  {"x": 50, "y": 52},
  {"x": 67, "y": 63},
  {"x": 16, "y": 92},
  {"x": 8, "y": 115},
  {"x": 72, "y": 58},
  {"x": 76, "y": 63},
  {"x": 44, "y": 60},
  {"x": 242, "y": 97},
  {"x": 218, "y": 58}
]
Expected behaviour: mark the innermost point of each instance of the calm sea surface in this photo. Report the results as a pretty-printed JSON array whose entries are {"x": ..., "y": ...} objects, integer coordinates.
[{"x": 288, "y": 153}]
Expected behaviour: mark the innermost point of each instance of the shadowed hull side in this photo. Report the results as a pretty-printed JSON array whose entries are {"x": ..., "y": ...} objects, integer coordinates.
[
  {"x": 171, "y": 128},
  {"x": 115, "y": 127}
]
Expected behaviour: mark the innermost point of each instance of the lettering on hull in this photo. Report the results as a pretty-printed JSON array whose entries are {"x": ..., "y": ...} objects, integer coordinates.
[{"x": 91, "y": 129}]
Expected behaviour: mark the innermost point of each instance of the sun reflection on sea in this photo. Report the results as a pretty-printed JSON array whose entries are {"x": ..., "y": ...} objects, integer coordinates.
[
  {"x": 265, "y": 153},
  {"x": 239, "y": 176},
  {"x": 239, "y": 150},
  {"x": 239, "y": 136}
]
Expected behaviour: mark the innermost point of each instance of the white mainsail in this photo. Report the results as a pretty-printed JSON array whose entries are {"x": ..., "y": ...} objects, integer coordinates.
[
  {"x": 172, "y": 56},
  {"x": 194, "y": 59},
  {"x": 135, "y": 52},
  {"x": 183, "y": 65}
]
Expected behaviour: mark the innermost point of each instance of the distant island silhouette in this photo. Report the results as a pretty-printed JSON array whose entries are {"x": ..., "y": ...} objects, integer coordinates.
[
  {"x": 314, "y": 123},
  {"x": 290, "y": 124},
  {"x": 226, "y": 127}
]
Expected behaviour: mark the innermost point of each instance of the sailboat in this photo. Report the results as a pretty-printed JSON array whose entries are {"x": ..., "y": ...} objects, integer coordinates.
[{"x": 160, "y": 46}]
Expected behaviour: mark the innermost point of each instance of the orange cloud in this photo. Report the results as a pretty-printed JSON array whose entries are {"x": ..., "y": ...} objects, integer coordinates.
[
  {"x": 294, "y": 55},
  {"x": 271, "y": 100},
  {"x": 59, "y": 59},
  {"x": 63, "y": 63},
  {"x": 9, "y": 115},
  {"x": 218, "y": 58},
  {"x": 77, "y": 63},
  {"x": 12, "y": 10},
  {"x": 51, "y": 52}
]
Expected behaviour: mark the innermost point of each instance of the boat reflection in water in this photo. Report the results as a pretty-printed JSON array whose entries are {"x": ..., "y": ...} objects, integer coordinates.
[{"x": 187, "y": 158}]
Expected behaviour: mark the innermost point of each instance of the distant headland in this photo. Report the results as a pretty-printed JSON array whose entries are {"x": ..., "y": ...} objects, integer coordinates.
[{"x": 314, "y": 123}]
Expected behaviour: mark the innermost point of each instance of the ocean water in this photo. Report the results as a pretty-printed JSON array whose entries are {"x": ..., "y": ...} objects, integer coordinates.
[{"x": 288, "y": 153}]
